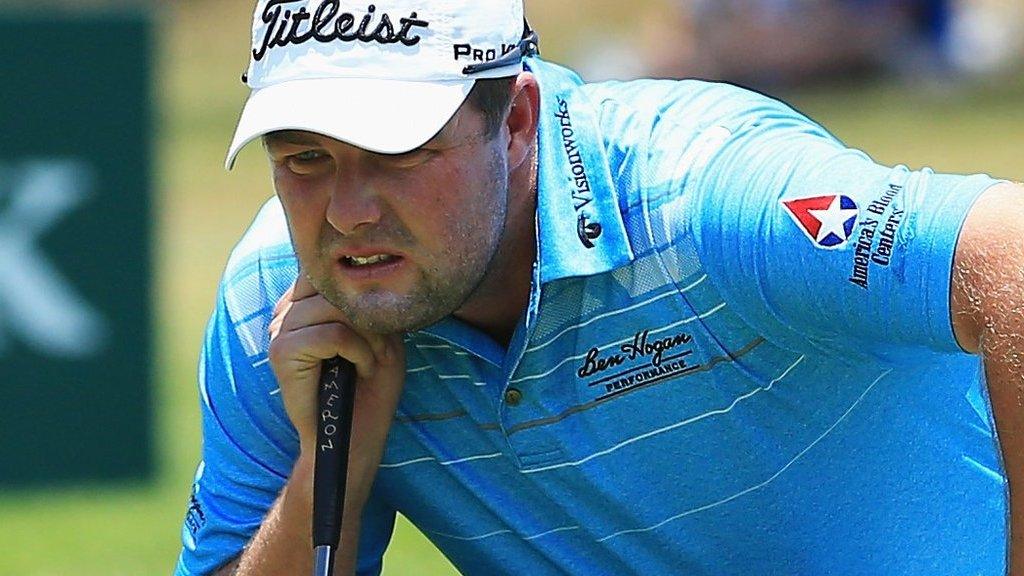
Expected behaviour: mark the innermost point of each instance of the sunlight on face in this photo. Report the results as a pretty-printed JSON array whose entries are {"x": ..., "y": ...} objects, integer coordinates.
[
  {"x": 442, "y": 208},
  {"x": 469, "y": 232}
]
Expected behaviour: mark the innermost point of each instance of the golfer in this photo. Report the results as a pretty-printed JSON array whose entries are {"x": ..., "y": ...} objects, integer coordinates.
[{"x": 601, "y": 329}]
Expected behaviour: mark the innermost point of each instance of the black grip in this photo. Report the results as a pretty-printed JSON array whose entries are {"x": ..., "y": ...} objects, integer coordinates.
[{"x": 334, "y": 430}]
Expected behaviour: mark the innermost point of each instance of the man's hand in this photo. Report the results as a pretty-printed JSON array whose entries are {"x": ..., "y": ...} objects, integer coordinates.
[{"x": 306, "y": 330}]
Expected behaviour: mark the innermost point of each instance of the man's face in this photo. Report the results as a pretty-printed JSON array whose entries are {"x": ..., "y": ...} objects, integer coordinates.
[{"x": 396, "y": 242}]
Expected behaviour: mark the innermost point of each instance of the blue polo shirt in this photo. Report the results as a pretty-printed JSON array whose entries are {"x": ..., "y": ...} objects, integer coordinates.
[{"x": 737, "y": 359}]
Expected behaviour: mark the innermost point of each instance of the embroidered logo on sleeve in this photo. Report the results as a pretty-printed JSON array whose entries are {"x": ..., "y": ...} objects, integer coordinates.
[
  {"x": 195, "y": 518},
  {"x": 828, "y": 221},
  {"x": 876, "y": 244}
]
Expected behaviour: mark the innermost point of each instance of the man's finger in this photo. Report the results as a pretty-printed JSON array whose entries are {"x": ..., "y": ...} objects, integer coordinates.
[
  {"x": 284, "y": 300},
  {"x": 322, "y": 341},
  {"x": 303, "y": 287},
  {"x": 309, "y": 312}
]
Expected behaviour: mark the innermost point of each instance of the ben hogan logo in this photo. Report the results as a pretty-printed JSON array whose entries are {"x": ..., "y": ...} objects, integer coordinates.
[{"x": 661, "y": 359}]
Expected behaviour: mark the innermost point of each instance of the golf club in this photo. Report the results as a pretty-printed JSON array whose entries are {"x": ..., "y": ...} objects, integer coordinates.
[{"x": 334, "y": 431}]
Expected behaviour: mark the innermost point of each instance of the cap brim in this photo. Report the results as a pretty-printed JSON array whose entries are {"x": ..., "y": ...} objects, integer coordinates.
[{"x": 386, "y": 116}]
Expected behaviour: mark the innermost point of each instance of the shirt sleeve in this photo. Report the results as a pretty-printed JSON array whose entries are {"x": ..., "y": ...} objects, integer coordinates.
[
  {"x": 249, "y": 448},
  {"x": 811, "y": 241}
]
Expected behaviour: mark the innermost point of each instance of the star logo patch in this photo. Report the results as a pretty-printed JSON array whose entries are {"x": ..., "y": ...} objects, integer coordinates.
[{"x": 827, "y": 221}]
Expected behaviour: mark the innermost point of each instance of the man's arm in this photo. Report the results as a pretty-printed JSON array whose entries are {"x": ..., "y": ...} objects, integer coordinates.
[
  {"x": 307, "y": 329},
  {"x": 283, "y": 543},
  {"x": 988, "y": 318}
]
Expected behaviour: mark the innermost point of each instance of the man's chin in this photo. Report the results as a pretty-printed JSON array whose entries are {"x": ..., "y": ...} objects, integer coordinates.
[
  {"x": 386, "y": 313},
  {"x": 388, "y": 324},
  {"x": 384, "y": 310}
]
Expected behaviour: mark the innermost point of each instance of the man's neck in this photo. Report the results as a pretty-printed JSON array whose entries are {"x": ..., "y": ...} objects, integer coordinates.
[{"x": 504, "y": 293}]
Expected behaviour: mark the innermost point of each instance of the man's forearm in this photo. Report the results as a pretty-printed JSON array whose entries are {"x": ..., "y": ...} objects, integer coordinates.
[{"x": 283, "y": 544}]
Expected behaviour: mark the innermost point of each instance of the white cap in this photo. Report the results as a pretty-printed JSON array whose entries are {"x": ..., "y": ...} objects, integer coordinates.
[{"x": 383, "y": 75}]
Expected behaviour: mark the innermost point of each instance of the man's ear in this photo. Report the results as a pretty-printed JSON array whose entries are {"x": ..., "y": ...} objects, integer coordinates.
[{"x": 522, "y": 119}]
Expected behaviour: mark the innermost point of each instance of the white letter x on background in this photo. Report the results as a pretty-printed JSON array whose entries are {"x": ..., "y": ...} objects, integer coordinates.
[{"x": 37, "y": 304}]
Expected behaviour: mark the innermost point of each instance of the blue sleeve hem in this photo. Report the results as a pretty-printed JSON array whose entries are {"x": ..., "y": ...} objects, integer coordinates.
[{"x": 948, "y": 222}]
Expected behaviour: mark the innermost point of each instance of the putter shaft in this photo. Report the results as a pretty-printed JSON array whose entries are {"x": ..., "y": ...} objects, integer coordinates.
[{"x": 323, "y": 561}]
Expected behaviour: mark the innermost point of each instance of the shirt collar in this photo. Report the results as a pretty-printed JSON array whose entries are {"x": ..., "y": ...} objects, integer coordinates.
[{"x": 580, "y": 230}]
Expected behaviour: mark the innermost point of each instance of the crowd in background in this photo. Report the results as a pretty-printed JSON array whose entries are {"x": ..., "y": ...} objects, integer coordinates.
[{"x": 771, "y": 43}]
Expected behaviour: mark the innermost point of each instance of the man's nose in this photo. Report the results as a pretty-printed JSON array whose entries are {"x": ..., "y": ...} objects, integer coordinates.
[{"x": 354, "y": 203}]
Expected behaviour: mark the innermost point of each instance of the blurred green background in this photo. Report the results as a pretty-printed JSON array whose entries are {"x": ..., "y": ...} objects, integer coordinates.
[{"x": 975, "y": 125}]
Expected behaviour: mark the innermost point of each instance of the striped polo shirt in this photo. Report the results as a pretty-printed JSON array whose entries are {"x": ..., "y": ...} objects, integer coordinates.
[{"x": 737, "y": 359}]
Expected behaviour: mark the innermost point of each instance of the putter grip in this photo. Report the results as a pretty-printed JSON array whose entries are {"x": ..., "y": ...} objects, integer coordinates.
[{"x": 334, "y": 430}]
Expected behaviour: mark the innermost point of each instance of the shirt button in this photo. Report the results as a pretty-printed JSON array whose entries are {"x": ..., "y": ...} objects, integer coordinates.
[{"x": 513, "y": 397}]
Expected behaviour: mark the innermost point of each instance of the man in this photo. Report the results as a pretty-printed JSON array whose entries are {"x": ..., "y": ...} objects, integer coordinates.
[{"x": 642, "y": 328}]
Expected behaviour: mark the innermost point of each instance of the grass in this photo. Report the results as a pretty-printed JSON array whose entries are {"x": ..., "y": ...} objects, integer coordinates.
[{"x": 201, "y": 211}]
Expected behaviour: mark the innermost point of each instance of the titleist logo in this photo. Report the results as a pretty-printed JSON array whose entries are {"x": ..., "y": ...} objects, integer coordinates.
[{"x": 328, "y": 23}]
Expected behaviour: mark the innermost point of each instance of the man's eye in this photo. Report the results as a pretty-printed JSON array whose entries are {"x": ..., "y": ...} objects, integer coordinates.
[
  {"x": 307, "y": 156},
  {"x": 305, "y": 162}
]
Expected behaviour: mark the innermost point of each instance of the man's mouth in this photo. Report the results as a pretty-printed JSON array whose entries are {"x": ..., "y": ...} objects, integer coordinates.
[{"x": 359, "y": 262}]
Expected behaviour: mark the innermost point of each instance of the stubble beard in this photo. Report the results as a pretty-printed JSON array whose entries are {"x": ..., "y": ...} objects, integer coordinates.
[{"x": 442, "y": 287}]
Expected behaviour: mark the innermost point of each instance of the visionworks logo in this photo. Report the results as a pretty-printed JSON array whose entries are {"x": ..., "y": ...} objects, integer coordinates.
[
  {"x": 588, "y": 231},
  {"x": 581, "y": 193},
  {"x": 328, "y": 23}
]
